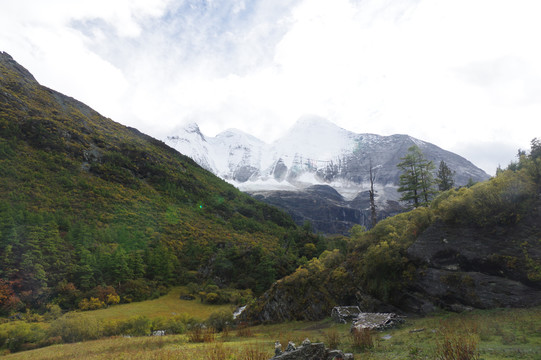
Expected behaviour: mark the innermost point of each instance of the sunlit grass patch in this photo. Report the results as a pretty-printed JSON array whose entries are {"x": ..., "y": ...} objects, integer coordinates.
[{"x": 165, "y": 306}]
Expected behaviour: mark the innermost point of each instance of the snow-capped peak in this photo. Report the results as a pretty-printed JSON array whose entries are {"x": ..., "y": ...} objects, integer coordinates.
[
  {"x": 316, "y": 139},
  {"x": 313, "y": 151}
]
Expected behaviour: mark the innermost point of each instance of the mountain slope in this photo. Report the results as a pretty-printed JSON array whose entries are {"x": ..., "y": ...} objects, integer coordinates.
[
  {"x": 316, "y": 152},
  {"x": 85, "y": 201},
  {"x": 477, "y": 247}
]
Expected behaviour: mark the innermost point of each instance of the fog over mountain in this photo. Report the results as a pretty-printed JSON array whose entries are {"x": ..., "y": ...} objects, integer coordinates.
[{"x": 318, "y": 161}]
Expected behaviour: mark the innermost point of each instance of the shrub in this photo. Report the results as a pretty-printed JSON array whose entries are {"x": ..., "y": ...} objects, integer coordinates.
[
  {"x": 211, "y": 298},
  {"x": 53, "y": 312},
  {"x": 220, "y": 320},
  {"x": 91, "y": 304},
  {"x": 20, "y": 335},
  {"x": 174, "y": 325},
  {"x": 110, "y": 328},
  {"x": 502, "y": 200},
  {"x": 75, "y": 327},
  {"x": 136, "y": 326}
]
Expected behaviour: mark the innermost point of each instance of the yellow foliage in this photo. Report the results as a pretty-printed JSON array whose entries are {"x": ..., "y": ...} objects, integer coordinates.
[{"x": 91, "y": 304}]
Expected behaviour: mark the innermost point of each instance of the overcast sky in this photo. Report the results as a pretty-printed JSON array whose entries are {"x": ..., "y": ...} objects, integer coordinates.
[{"x": 462, "y": 74}]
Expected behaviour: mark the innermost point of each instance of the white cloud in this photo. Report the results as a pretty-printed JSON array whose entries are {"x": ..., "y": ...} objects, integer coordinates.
[{"x": 455, "y": 73}]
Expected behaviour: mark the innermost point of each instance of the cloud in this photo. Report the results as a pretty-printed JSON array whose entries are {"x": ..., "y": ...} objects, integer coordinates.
[
  {"x": 510, "y": 81},
  {"x": 451, "y": 73},
  {"x": 489, "y": 155}
]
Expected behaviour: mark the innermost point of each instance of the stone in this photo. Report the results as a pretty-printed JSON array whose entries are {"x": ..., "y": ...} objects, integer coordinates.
[
  {"x": 376, "y": 321},
  {"x": 314, "y": 351},
  {"x": 344, "y": 314},
  {"x": 309, "y": 351},
  {"x": 335, "y": 355},
  {"x": 290, "y": 346},
  {"x": 277, "y": 348}
]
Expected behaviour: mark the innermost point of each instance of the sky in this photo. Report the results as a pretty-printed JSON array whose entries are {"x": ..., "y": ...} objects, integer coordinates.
[{"x": 464, "y": 75}]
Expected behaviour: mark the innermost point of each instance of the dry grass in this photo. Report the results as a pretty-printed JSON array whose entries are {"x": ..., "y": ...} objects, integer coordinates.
[
  {"x": 362, "y": 339},
  {"x": 509, "y": 334},
  {"x": 201, "y": 334},
  {"x": 243, "y": 330},
  {"x": 333, "y": 338}
]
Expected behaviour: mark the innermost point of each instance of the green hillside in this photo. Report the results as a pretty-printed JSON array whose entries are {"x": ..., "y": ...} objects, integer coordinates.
[
  {"x": 473, "y": 247},
  {"x": 91, "y": 208}
]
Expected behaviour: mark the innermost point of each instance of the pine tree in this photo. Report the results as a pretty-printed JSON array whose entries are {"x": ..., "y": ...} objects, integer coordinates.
[
  {"x": 372, "y": 193},
  {"x": 445, "y": 177},
  {"x": 416, "y": 181}
]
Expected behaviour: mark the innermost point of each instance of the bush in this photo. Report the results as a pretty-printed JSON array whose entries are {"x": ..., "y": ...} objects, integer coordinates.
[
  {"x": 75, "y": 327},
  {"x": 19, "y": 335},
  {"x": 91, "y": 304},
  {"x": 136, "y": 326},
  {"x": 501, "y": 201},
  {"x": 53, "y": 312},
  {"x": 174, "y": 325},
  {"x": 220, "y": 320}
]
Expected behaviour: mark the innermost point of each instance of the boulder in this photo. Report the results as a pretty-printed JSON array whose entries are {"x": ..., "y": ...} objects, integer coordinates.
[{"x": 309, "y": 351}]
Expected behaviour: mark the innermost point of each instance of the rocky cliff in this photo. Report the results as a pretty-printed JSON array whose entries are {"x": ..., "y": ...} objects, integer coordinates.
[{"x": 436, "y": 265}]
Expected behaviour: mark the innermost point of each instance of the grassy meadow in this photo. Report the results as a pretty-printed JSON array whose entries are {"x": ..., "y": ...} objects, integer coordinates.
[
  {"x": 488, "y": 334},
  {"x": 165, "y": 306}
]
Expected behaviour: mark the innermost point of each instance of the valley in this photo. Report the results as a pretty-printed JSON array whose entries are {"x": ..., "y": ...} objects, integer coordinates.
[{"x": 108, "y": 235}]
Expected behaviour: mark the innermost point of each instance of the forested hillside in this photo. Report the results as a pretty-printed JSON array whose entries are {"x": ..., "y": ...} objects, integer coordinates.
[{"x": 93, "y": 209}]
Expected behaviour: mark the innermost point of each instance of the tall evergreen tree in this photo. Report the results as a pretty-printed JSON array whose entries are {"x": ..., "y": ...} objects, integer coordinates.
[
  {"x": 372, "y": 193},
  {"x": 416, "y": 181},
  {"x": 444, "y": 177}
]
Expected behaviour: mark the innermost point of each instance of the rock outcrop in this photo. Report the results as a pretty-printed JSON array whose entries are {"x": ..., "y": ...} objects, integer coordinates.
[
  {"x": 465, "y": 267},
  {"x": 327, "y": 210},
  {"x": 309, "y": 351}
]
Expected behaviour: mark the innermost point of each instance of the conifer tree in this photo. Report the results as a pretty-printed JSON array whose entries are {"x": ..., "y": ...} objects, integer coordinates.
[
  {"x": 372, "y": 193},
  {"x": 444, "y": 177},
  {"x": 416, "y": 181}
]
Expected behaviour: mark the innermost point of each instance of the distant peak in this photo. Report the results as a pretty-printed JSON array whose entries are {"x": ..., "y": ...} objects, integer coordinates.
[
  {"x": 192, "y": 127},
  {"x": 313, "y": 124},
  {"x": 307, "y": 121},
  {"x": 185, "y": 131},
  {"x": 236, "y": 133}
]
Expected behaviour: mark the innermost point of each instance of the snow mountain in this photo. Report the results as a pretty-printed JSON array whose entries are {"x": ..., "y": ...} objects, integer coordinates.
[{"x": 317, "y": 171}]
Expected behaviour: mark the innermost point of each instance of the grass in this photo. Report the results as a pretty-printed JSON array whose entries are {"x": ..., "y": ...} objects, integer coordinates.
[
  {"x": 490, "y": 335},
  {"x": 165, "y": 306}
]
